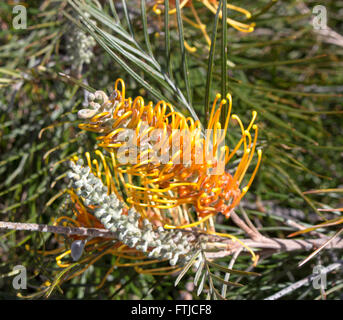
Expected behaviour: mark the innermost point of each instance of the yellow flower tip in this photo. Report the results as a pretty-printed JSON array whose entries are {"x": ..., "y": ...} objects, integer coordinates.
[
  {"x": 61, "y": 265},
  {"x": 235, "y": 117},
  {"x": 224, "y": 101},
  {"x": 189, "y": 48},
  {"x": 167, "y": 226},
  {"x": 156, "y": 9},
  {"x": 47, "y": 283},
  {"x": 218, "y": 96},
  {"x": 254, "y": 126},
  {"x": 255, "y": 260}
]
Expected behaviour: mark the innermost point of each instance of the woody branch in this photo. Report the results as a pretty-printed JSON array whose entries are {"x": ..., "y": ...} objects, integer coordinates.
[{"x": 231, "y": 246}]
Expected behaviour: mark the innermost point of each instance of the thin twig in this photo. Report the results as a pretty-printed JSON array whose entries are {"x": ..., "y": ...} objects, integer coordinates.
[
  {"x": 321, "y": 248},
  {"x": 230, "y": 266},
  {"x": 241, "y": 224},
  {"x": 298, "y": 226},
  {"x": 275, "y": 245},
  {"x": 248, "y": 221},
  {"x": 88, "y": 232}
]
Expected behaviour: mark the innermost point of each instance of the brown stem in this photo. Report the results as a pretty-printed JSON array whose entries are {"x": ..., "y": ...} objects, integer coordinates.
[
  {"x": 88, "y": 232},
  {"x": 276, "y": 245},
  {"x": 253, "y": 234},
  {"x": 228, "y": 247}
]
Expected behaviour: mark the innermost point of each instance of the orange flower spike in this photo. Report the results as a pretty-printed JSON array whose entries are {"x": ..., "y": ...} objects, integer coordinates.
[{"x": 167, "y": 185}]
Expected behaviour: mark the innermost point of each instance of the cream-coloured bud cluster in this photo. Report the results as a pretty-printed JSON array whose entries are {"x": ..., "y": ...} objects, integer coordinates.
[
  {"x": 158, "y": 243},
  {"x": 99, "y": 102},
  {"x": 80, "y": 46}
]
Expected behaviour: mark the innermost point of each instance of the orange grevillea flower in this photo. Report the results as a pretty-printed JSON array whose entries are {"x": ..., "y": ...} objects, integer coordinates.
[
  {"x": 163, "y": 164},
  {"x": 195, "y": 20},
  {"x": 166, "y": 160}
]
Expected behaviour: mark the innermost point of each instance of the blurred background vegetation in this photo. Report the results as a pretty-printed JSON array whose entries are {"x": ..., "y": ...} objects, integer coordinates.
[{"x": 285, "y": 70}]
